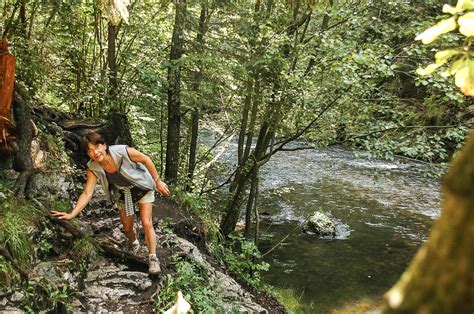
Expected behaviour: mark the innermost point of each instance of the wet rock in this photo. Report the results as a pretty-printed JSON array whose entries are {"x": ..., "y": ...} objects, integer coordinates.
[{"x": 321, "y": 225}]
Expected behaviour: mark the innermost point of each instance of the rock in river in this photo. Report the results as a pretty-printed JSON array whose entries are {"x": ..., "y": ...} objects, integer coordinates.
[{"x": 321, "y": 225}]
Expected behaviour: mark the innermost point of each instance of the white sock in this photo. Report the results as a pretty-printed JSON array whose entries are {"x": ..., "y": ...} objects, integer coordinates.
[
  {"x": 135, "y": 242},
  {"x": 152, "y": 256}
]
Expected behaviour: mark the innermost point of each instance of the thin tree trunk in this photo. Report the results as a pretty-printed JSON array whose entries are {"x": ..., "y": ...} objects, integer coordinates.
[
  {"x": 112, "y": 63},
  {"x": 255, "y": 210},
  {"x": 251, "y": 201},
  {"x": 193, "y": 147},
  {"x": 174, "y": 94},
  {"x": 23, "y": 19},
  {"x": 244, "y": 121},
  {"x": 203, "y": 22},
  {"x": 257, "y": 100}
]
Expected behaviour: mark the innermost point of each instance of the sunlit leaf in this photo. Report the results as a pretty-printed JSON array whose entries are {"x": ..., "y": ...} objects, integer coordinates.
[
  {"x": 453, "y": 68},
  {"x": 466, "y": 24},
  {"x": 428, "y": 70},
  {"x": 465, "y": 5},
  {"x": 464, "y": 78},
  {"x": 449, "y": 9},
  {"x": 116, "y": 10},
  {"x": 443, "y": 56},
  {"x": 444, "y": 26},
  {"x": 121, "y": 7}
]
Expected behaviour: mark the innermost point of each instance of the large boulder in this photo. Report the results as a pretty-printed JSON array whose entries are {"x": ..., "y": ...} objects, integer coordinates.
[{"x": 321, "y": 225}]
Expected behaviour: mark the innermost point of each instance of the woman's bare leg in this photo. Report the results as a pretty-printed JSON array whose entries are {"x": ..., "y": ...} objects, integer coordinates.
[
  {"x": 127, "y": 223},
  {"x": 147, "y": 224}
]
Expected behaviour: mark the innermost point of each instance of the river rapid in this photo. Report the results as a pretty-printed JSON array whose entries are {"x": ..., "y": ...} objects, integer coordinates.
[{"x": 383, "y": 211}]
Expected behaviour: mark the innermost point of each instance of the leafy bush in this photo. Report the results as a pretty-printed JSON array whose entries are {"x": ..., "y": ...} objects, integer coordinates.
[
  {"x": 243, "y": 258},
  {"x": 192, "y": 280}
]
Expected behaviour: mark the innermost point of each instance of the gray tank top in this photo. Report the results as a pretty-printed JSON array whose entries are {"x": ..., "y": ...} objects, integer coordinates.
[{"x": 117, "y": 179}]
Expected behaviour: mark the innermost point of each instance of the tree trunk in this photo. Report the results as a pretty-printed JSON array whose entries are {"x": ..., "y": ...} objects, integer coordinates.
[
  {"x": 242, "y": 178},
  {"x": 112, "y": 63},
  {"x": 252, "y": 201},
  {"x": 120, "y": 125},
  {"x": 244, "y": 121},
  {"x": 23, "y": 19},
  {"x": 257, "y": 99},
  {"x": 193, "y": 147},
  {"x": 24, "y": 135},
  {"x": 203, "y": 22},
  {"x": 174, "y": 91},
  {"x": 440, "y": 277}
]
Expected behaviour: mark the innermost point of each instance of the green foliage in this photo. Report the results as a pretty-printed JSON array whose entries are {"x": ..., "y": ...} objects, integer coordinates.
[
  {"x": 18, "y": 220},
  {"x": 462, "y": 67},
  {"x": 243, "y": 258},
  {"x": 57, "y": 157},
  {"x": 201, "y": 207},
  {"x": 84, "y": 250},
  {"x": 40, "y": 294},
  {"x": 58, "y": 297},
  {"x": 192, "y": 280},
  {"x": 290, "y": 300},
  {"x": 8, "y": 275}
]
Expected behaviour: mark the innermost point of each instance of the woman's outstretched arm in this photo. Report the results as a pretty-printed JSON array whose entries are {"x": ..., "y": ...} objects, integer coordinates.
[
  {"x": 138, "y": 156},
  {"x": 83, "y": 200}
]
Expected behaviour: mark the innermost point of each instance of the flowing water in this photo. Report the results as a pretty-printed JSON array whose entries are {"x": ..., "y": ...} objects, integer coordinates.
[{"x": 383, "y": 211}]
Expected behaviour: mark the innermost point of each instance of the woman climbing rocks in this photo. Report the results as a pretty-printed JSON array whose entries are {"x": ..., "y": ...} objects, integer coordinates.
[{"x": 127, "y": 176}]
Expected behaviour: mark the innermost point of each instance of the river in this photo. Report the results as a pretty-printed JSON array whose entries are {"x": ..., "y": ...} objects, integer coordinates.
[{"x": 383, "y": 210}]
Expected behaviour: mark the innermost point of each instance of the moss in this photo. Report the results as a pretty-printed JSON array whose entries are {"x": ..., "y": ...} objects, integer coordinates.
[{"x": 290, "y": 301}]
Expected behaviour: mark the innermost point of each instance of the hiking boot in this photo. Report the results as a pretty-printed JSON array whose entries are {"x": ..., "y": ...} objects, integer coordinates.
[
  {"x": 134, "y": 247},
  {"x": 154, "y": 265}
]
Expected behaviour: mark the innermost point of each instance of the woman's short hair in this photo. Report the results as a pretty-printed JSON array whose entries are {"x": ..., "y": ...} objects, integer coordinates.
[{"x": 94, "y": 138}]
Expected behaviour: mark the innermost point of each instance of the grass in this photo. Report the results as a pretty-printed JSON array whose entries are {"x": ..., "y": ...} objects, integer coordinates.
[
  {"x": 18, "y": 220},
  {"x": 84, "y": 250}
]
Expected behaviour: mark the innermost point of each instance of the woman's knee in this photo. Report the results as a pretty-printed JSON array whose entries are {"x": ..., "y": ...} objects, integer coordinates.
[{"x": 147, "y": 223}]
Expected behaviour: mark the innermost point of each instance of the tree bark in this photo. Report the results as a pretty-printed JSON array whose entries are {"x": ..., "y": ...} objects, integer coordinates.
[
  {"x": 244, "y": 120},
  {"x": 251, "y": 201},
  {"x": 203, "y": 22},
  {"x": 174, "y": 94},
  {"x": 112, "y": 62},
  {"x": 440, "y": 277},
  {"x": 22, "y": 154}
]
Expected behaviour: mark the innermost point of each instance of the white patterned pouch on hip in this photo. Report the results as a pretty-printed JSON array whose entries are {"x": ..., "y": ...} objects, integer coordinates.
[{"x": 129, "y": 208}]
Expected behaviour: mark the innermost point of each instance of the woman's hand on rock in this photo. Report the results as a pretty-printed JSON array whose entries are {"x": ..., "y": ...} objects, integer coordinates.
[{"x": 61, "y": 215}]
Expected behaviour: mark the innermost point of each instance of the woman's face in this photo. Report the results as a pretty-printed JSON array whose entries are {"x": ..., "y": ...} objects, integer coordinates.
[{"x": 96, "y": 152}]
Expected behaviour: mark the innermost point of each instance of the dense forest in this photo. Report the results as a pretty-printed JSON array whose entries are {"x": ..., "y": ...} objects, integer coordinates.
[{"x": 159, "y": 75}]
